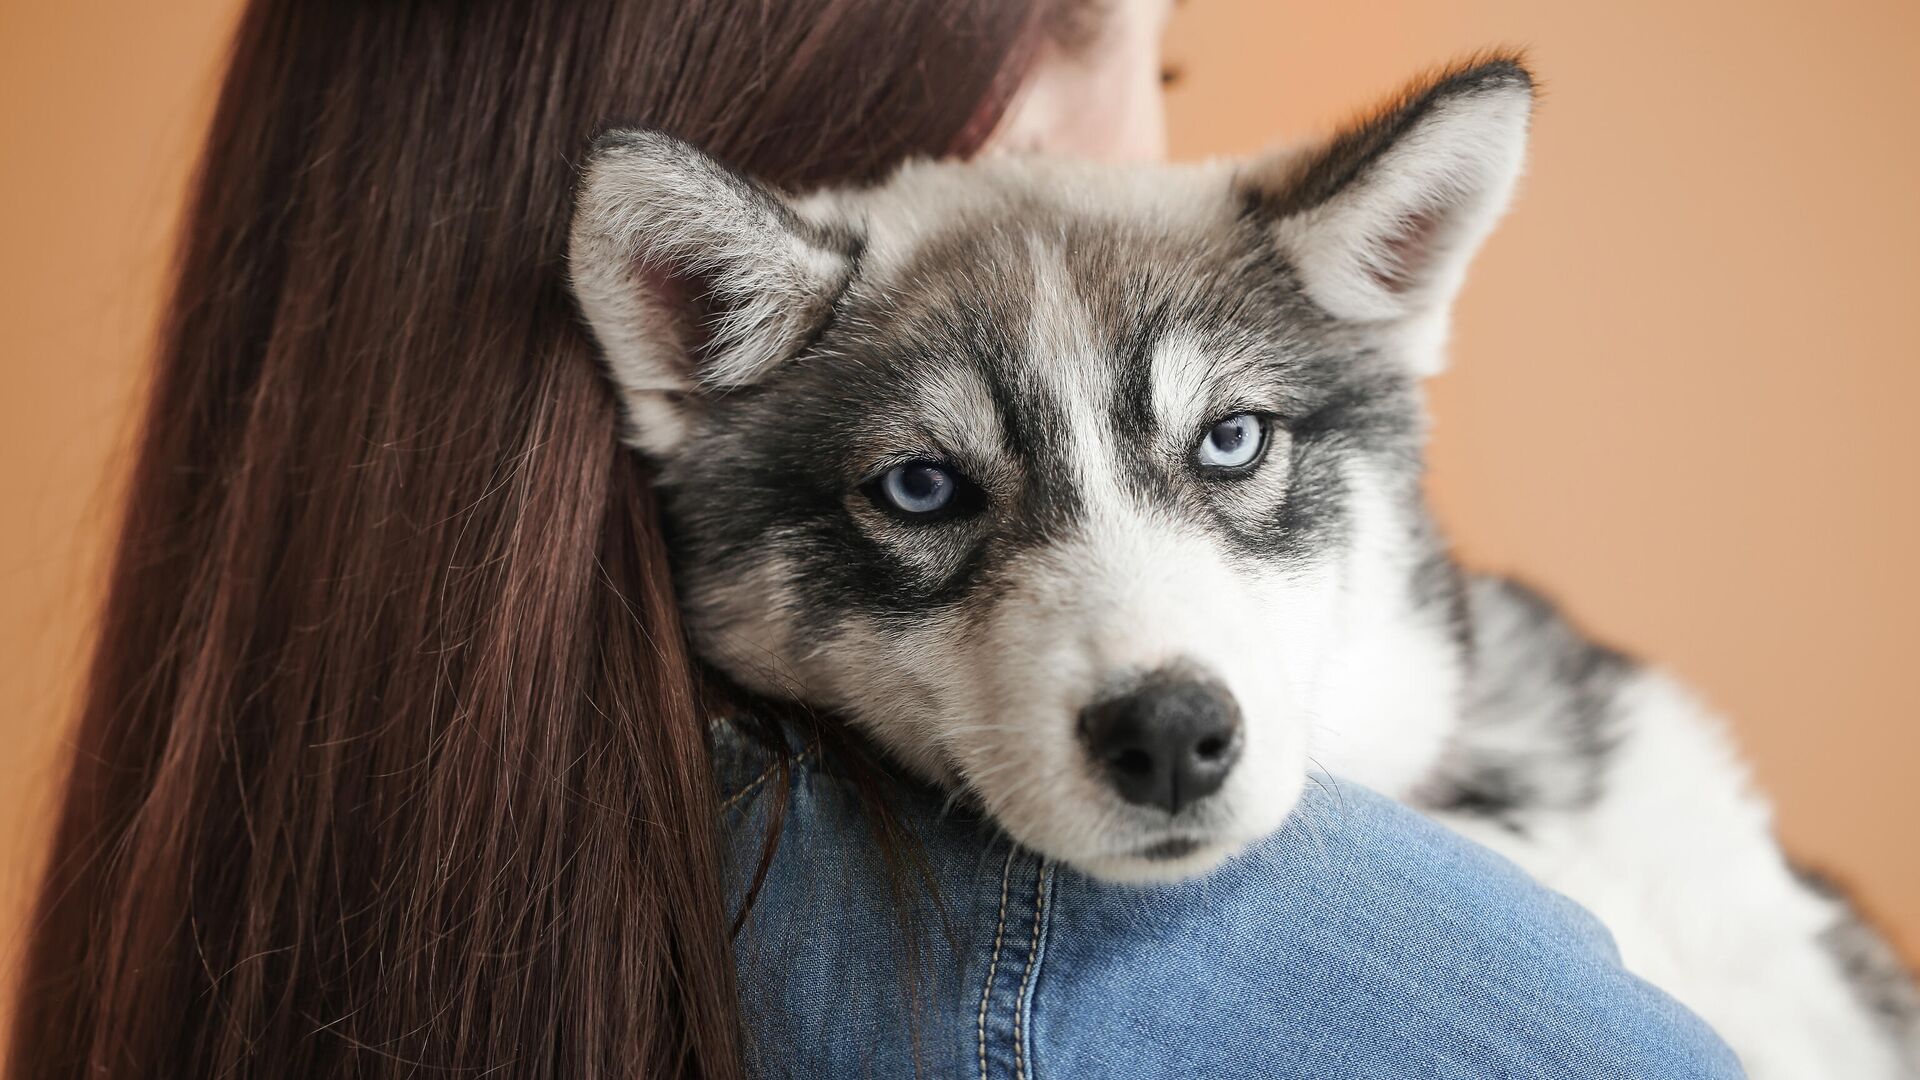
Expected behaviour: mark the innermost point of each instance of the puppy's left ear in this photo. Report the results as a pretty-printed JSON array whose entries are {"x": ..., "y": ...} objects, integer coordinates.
[{"x": 1381, "y": 220}]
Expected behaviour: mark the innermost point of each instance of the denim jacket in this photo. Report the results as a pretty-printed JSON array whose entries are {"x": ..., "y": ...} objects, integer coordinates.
[{"x": 1362, "y": 940}]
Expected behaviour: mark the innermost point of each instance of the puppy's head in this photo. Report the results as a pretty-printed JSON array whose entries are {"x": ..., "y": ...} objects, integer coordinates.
[{"x": 1064, "y": 482}]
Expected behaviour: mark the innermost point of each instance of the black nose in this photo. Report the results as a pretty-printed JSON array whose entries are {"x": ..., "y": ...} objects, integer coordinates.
[{"x": 1167, "y": 743}]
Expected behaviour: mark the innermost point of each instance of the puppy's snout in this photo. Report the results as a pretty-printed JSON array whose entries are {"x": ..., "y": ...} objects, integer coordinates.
[{"x": 1167, "y": 743}]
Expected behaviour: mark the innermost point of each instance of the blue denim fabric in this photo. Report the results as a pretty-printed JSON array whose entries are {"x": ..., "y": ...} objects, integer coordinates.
[{"x": 1362, "y": 940}]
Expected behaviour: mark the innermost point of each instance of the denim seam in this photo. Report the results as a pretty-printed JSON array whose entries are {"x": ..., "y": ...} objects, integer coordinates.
[
  {"x": 1023, "y": 1002},
  {"x": 792, "y": 762},
  {"x": 993, "y": 967}
]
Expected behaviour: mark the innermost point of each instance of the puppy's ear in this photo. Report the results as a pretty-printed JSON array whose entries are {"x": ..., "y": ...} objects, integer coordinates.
[
  {"x": 1381, "y": 220},
  {"x": 695, "y": 279}
]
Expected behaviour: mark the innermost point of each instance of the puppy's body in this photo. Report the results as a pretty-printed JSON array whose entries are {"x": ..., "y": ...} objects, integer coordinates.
[
  {"x": 1607, "y": 781},
  {"x": 965, "y": 458}
]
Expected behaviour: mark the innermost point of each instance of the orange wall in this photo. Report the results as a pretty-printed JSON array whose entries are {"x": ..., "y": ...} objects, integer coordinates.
[{"x": 1682, "y": 370}]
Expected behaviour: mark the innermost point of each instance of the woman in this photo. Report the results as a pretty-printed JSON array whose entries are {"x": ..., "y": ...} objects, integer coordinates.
[{"x": 393, "y": 761}]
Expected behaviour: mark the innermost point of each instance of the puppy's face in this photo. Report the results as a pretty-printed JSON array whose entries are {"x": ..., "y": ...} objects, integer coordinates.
[{"x": 1055, "y": 479}]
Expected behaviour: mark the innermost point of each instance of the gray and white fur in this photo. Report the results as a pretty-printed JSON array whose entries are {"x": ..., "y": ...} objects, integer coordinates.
[{"x": 1060, "y": 342}]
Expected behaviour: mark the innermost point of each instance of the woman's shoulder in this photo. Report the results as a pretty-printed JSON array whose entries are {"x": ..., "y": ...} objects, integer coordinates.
[{"x": 1362, "y": 937}]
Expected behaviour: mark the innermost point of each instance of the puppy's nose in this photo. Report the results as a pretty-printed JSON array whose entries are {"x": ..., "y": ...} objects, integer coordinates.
[{"x": 1167, "y": 743}]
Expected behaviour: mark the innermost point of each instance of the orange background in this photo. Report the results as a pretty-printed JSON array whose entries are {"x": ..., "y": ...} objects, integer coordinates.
[{"x": 1683, "y": 368}]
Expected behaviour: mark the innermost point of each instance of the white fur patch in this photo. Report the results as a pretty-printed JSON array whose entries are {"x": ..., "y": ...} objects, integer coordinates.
[
  {"x": 1392, "y": 683},
  {"x": 1182, "y": 382}
]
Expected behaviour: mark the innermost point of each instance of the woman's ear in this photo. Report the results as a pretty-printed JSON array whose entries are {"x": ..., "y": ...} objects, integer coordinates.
[
  {"x": 694, "y": 278},
  {"x": 1381, "y": 220}
]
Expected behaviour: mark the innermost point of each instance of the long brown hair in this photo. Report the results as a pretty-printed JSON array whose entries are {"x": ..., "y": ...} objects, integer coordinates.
[{"x": 391, "y": 758}]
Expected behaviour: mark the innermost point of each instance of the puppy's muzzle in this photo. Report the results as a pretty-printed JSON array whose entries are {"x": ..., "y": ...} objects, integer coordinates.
[{"x": 1168, "y": 742}]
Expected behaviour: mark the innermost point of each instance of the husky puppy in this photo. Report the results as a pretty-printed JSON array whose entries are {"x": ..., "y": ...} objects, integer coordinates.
[{"x": 1094, "y": 494}]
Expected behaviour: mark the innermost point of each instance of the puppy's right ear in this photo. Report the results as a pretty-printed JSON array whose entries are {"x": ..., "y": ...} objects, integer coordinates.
[
  {"x": 695, "y": 279},
  {"x": 1381, "y": 220}
]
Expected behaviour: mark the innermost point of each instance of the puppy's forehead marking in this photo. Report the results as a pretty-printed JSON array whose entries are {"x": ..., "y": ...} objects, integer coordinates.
[
  {"x": 1069, "y": 356},
  {"x": 1070, "y": 367}
]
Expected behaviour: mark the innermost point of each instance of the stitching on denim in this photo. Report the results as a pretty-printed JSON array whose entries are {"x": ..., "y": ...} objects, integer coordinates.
[
  {"x": 1026, "y": 978},
  {"x": 791, "y": 763},
  {"x": 993, "y": 968}
]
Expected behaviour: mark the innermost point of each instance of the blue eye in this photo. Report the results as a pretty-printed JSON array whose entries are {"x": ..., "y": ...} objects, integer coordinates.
[
  {"x": 1233, "y": 442},
  {"x": 919, "y": 487}
]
